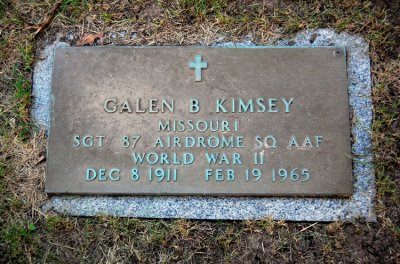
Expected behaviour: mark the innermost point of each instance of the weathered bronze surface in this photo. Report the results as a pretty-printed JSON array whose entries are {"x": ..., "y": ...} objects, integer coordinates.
[{"x": 110, "y": 104}]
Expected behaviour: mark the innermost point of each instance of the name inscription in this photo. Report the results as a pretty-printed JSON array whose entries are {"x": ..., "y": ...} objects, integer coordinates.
[{"x": 233, "y": 105}]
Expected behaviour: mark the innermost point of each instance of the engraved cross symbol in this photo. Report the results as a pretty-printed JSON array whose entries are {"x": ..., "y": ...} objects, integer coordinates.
[{"x": 197, "y": 65}]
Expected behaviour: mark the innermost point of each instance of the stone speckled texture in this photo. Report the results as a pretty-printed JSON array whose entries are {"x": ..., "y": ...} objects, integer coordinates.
[
  {"x": 41, "y": 91},
  {"x": 360, "y": 205}
]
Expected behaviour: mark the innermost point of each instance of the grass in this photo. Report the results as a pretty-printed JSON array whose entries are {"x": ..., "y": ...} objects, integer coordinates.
[{"x": 27, "y": 235}]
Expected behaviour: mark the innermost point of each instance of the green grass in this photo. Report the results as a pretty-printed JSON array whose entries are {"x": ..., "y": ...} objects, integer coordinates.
[
  {"x": 15, "y": 237},
  {"x": 22, "y": 104},
  {"x": 3, "y": 7},
  {"x": 200, "y": 9},
  {"x": 2, "y": 185}
]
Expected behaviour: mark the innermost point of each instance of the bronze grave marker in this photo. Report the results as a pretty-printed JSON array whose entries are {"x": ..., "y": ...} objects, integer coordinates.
[{"x": 200, "y": 121}]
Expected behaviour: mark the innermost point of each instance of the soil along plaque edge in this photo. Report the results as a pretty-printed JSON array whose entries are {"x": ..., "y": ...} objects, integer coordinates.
[
  {"x": 262, "y": 121},
  {"x": 360, "y": 204}
]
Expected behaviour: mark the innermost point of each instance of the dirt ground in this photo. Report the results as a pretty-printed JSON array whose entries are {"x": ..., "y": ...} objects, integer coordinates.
[{"x": 29, "y": 236}]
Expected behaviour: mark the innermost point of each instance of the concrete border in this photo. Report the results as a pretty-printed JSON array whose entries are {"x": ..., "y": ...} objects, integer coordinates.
[{"x": 360, "y": 205}]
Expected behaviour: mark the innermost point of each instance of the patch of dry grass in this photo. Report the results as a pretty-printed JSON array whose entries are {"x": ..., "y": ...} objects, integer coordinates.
[{"x": 29, "y": 236}]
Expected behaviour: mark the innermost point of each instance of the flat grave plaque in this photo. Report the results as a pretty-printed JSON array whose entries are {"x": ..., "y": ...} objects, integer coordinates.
[{"x": 200, "y": 121}]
